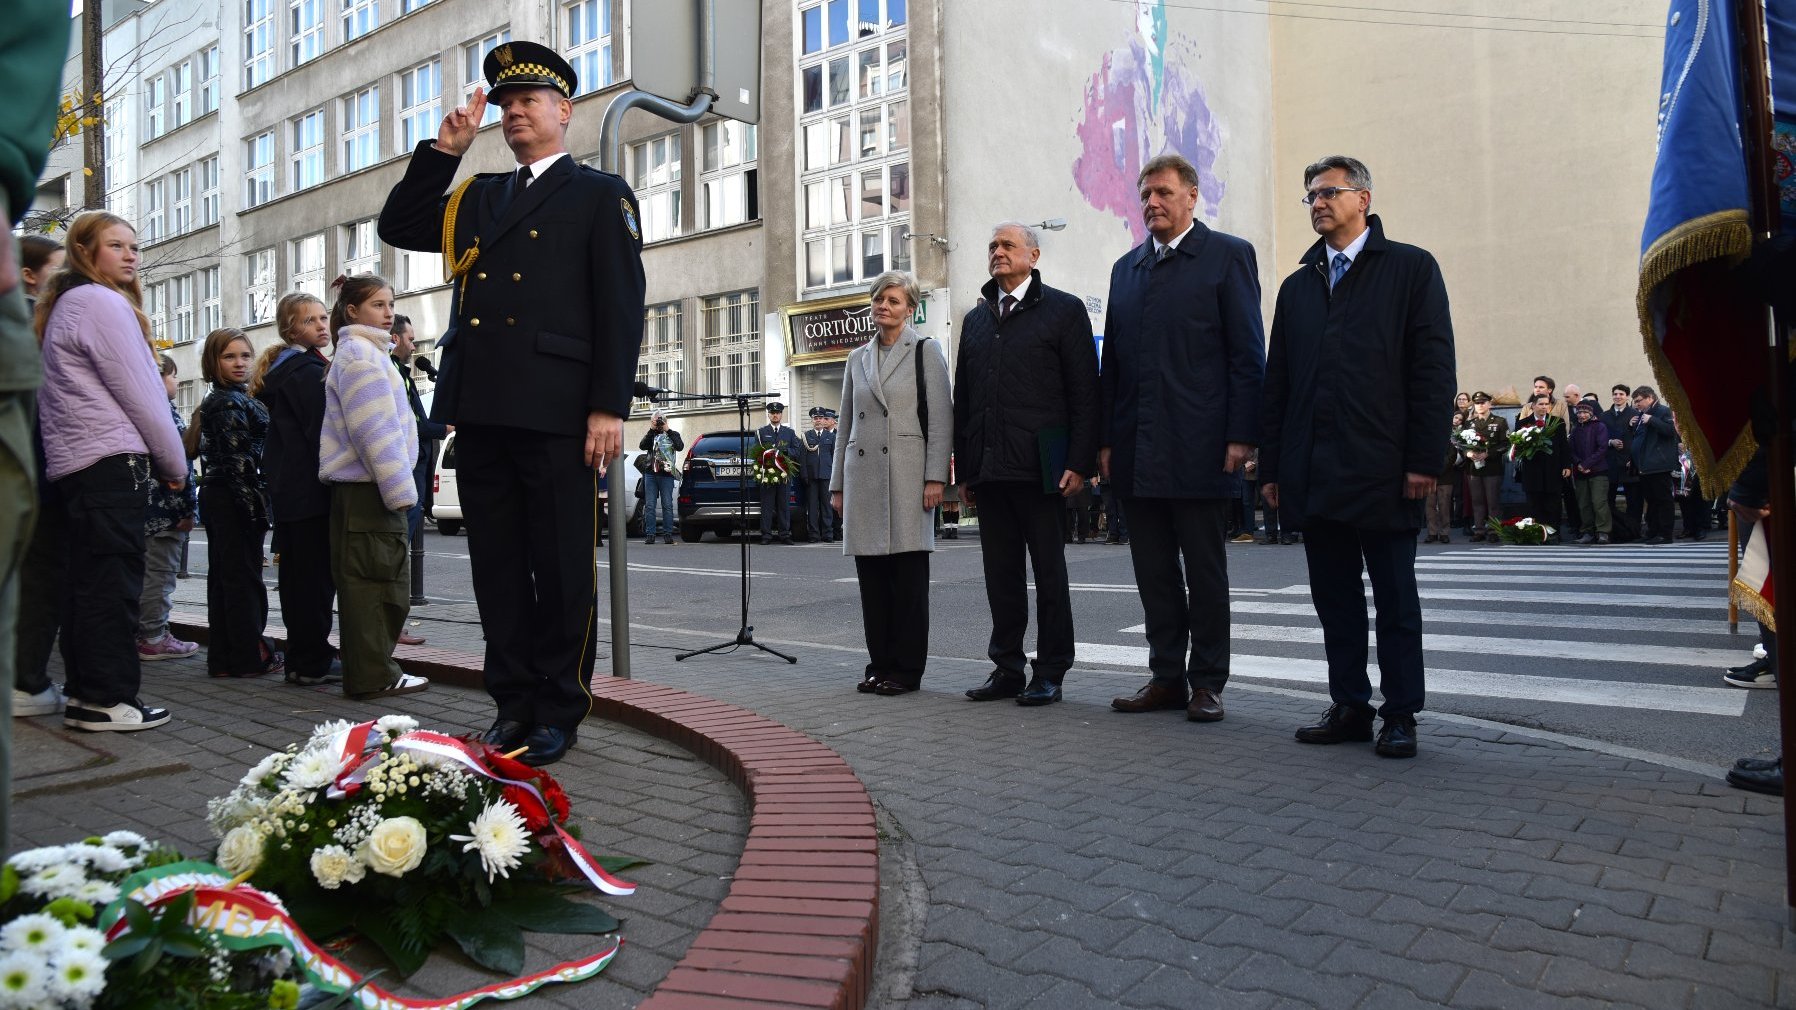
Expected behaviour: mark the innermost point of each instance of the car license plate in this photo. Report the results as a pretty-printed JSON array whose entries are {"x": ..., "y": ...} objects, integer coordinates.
[{"x": 727, "y": 470}]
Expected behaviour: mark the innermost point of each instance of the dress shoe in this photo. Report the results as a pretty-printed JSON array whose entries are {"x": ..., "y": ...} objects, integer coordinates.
[
  {"x": 1151, "y": 698},
  {"x": 1205, "y": 706},
  {"x": 1290, "y": 539},
  {"x": 1587, "y": 539},
  {"x": 548, "y": 744},
  {"x": 506, "y": 735},
  {"x": 891, "y": 688},
  {"x": 766, "y": 540},
  {"x": 786, "y": 538},
  {"x": 998, "y": 685},
  {"x": 1602, "y": 539},
  {"x": 1041, "y": 691},
  {"x": 867, "y": 683},
  {"x": 1340, "y": 724},
  {"x": 1769, "y": 781},
  {"x": 407, "y": 638},
  {"x": 1757, "y": 764},
  {"x": 1397, "y": 737}
]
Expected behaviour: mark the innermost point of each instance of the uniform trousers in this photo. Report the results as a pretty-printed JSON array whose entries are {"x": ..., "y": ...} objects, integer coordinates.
[
  {"x": 1337, "y": 554},
  {"x": 1187, "y": 605},
  {"x": 236, "y": 599},
  {"x": 303, "y": 580},
  {"x": 818, "y": 511},
  {"x": 895, "y": 614},
  {"x": 161, "y": 565},
  {"x": 533, "y": 519},
  {"x": 1487, "y": 496},
  {"x": 776, "y": 506},
  {"x": 105, "y": 504},
  {"x": 1016, "y": 518},
  {"x": 371, "y": 566}
]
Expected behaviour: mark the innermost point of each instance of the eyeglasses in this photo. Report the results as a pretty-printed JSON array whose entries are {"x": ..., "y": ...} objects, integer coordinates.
[{"x": 1329, "y": 193}]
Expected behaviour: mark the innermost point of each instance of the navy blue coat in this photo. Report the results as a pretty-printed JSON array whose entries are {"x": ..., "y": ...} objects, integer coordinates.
[
  {"x": 785, "y": 438},
  {"x": 1359, "y": 386},
  {"x": 1183, "y": 363},
  {"x": 1655, "y": 441},
  {"x": 820, "y": 457}
]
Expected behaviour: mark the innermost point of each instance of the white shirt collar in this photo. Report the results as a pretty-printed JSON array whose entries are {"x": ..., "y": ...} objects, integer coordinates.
[
  {"x": 1353, "y": 248},
  {"x": 1174, "y": 244},
  {"x": 1020, "y": 290},
  {"x": 537, "y": 168}
]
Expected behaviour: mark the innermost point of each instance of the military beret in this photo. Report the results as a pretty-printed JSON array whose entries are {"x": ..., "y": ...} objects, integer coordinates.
[{"x": 528, "y": 64}]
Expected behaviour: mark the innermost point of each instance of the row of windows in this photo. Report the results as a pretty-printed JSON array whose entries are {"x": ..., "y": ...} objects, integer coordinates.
[
  {"x": 585, "y": 36},
  {"x": 174, "y": 97},
  {"x": 185, "y": 308},
  {"x": 729, "y": 347},
  {"x": 358, "y": 252},
  {"x": 170, "y": 205},
  {"x": 728, "y": 190},
  {"x": 826, "y": 25}
]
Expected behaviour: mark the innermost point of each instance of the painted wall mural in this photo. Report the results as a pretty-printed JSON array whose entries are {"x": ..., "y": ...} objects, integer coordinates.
[{"x": 1143, "y": 101}]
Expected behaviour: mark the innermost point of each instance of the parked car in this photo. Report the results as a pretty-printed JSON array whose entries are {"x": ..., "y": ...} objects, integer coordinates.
[
  {"x": 445, "y": 505},
  {"x": 712, "y": 489}
]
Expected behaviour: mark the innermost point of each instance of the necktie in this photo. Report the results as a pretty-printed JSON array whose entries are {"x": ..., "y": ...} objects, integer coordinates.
[
  {"x": 516, "y": 185},
  {"x": 1163, "y": 255},
  {"x": 523, "y": 179},
  {"x": 1338, "y": 269},
  {"x": 1005, "y": 306}
]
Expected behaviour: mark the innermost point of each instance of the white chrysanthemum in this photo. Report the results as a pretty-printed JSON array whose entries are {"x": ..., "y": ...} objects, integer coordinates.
[
  {"x": 241, "y": 850},
  {"x": 78, "y": 976},
  {"x": 394, "y": 725},
  {"x": 333, "y": 866},
  {"x": 313, "y": 769},
  {"x": 24, "y": 979},
  {"x": 32, "y": 860},
  {"x": 83, "y": 938},
  {"x": 267, "y": 766},
  {"x": 52, "y": 882},
  {"x": 38, "y": 933},
  {"x": 97, "y": 892},
  {"x": 126, "y": 839},
  {"x": 326, "y": 731},
  {"x": 103, "y": 858},
  {"x": 498, "y": 834}
]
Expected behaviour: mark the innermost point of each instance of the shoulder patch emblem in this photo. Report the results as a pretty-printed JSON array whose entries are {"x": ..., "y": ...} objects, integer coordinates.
[{"x": 630, "y": 218}]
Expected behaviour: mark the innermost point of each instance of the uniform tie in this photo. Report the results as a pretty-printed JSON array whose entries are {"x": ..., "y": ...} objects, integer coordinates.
[
  {"x": 1163, "y": 255},
  {"x": 1006, "y": 305},
  {"x": 1339, "y": 269},
  {"x": 523, "y": 178}
]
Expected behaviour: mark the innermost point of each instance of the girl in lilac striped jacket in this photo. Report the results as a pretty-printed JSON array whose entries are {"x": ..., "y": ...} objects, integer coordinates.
[{"x": 368, "y": 449}]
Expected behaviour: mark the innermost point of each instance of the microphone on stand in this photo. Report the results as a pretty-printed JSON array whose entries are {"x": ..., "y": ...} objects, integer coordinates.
[
  {"x": 647, "y": 392},
  {"x": 423, "y": 365}
]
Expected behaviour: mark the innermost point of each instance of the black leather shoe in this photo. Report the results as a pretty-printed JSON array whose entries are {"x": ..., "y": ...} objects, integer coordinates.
[
  {"x": 998, "y": 685},
  {"x": 1397, "y": 737},
  {"x": 1340, "y": 724},
  {"x": 1757, "y": 764},
  {"x": 547, "y": 745},
  {"x": 1769, "y": 781},
  {"x": 1041, "y": 691},
  {"x": 507, "y": 734}
]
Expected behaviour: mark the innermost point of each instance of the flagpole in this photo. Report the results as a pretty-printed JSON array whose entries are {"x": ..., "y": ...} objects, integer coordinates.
[{"x": 1756, "y": 122}]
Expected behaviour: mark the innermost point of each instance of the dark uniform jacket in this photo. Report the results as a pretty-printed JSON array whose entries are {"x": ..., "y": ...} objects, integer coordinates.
[
  {"x": 1183, "y": 363},
  {"x": 785, "y": 438},
  {"x": 1035, "y": 370},
  {"x": 1539, "y": 474},
  {"x": 1359, "y": 386},
  {"x": 548, "y": 320},
  {"x": 1496, "y": 444},
  {"x": 820, "y": 461},
  {"x": 293, "y": 392}
]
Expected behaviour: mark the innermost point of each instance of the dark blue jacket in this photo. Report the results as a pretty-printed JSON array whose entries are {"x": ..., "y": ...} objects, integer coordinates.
[
  {"x": 1184, "y": 359},
  {"x": 1655, "y": 441},
  {"x": 1359, "y": 386},
  {"x": 785, "y": 438},
  {"x": 820, "y": 464}
]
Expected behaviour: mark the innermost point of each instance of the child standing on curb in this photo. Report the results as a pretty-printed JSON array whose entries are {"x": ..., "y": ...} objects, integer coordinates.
[{"x": 369, "y": 448}]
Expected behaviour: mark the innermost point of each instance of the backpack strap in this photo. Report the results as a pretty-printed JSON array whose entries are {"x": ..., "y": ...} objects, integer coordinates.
[{"x": 922, "y": 394}]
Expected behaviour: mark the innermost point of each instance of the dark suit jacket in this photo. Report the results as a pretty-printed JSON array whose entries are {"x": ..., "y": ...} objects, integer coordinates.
[
  {"x": 1183, "y": 362},
  {"x": 785, "y": 438},
  {"x": 1540, "y": 474},
  {"x": 548, "y": 321},
  {"x": 1359, "y": 386}
]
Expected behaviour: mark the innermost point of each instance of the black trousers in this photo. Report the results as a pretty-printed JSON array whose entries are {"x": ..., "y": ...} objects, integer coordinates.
[
  {"x": 105, "y": 506},
  {"x": 1187, "y": 605},
  {"x": 1655, "y": 495},
  {"x": 532, "y": 514},
  {"x": 776, "y": 500},
  {"x": 236, "y": 599},
  {"x": 43, "y": 591},
  {"x": 1337, "y": 554},
  {"x": 306, "y": 592},
  {"x": 895, "y": 614},
  {"x": 817, "y": 509},
  {"x": 1543, "y": 506},
  {"x": 1016, "y": 518}
]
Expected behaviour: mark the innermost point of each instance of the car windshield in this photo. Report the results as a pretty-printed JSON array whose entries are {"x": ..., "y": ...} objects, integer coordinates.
[{"x": 721, "y": 446}]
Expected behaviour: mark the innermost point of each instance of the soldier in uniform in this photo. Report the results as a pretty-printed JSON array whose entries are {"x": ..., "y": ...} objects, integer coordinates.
[
  {"x": 776, "y": 499},
  {"x": 820, "y": 456},
  {"x": 536, "y": 376}
]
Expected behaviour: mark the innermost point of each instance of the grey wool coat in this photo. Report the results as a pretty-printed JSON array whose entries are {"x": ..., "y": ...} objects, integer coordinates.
[{"x": 882, "y": 456}]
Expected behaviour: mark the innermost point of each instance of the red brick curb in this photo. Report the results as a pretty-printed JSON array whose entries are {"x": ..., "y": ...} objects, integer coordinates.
[{"x": 800, "y": 925}]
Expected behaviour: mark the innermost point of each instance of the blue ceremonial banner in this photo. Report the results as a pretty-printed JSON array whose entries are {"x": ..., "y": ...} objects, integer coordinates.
[
  {"x": 1702, "y": 329},
  {"x": 1780, "y": 18}
]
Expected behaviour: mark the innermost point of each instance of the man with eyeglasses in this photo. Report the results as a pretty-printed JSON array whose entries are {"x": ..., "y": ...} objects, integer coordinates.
[
  {"x": 1364, "y": 321},
  {"x": 1655, "y": 447}
]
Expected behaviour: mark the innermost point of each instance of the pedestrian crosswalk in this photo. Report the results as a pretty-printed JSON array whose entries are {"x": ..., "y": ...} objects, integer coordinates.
[{"x": 1623, "y": 627}]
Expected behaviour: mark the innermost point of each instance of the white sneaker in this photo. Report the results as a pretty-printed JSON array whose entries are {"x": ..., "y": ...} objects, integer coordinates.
[
  {"x": 125, "y": 717},
  {"x": 45, "y": 702}
]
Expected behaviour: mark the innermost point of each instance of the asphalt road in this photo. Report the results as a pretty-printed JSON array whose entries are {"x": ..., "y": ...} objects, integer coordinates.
[{"x": 1622, "y": 644}]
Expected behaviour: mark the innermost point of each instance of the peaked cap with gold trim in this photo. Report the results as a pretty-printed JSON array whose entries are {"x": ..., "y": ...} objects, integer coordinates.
[{"x": 530, "y": 64}]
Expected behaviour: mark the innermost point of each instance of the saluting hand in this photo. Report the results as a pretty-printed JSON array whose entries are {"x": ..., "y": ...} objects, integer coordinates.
[{"x": 456, "y": 134}]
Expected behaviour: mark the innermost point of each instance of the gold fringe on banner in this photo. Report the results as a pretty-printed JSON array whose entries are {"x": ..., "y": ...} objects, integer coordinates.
[{"x": 1750, "y": 601}]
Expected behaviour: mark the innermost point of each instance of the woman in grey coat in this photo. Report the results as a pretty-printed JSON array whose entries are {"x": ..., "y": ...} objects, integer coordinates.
[{"x": 891, "y": 466}]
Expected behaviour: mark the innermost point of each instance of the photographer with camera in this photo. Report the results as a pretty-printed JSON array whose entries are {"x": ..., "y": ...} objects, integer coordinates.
[{"x": 660, "y": 466}]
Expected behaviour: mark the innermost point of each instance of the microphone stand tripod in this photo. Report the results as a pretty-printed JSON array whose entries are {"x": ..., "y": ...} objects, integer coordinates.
[{"x": 745, "y": 632}]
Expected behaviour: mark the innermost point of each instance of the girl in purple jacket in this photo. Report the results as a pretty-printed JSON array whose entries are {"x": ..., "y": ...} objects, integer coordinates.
[{"x": 108, "y": 437}]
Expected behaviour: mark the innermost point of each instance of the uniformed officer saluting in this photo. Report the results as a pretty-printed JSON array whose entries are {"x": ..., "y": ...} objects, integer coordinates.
[{"x": 536, "y": 377}]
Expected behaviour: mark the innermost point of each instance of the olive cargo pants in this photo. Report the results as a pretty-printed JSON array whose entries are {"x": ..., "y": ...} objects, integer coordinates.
[{"x": 371, "y": 566}]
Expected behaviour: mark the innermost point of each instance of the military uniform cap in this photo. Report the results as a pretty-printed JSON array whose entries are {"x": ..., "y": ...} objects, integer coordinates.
[
  {"x": 817, "y": 412},
  {"x": 776, "y": 407},
  {"x": 528, "y": 64}
]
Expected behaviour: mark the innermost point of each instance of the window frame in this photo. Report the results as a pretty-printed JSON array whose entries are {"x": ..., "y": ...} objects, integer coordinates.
[
  {"x": 717, "y": 343},
  {"x": 473, "y": 54},
  {"x": 304, "y": 276},
  {"x": 305, "y": 38},
  {"x": 181, "y": 83},
  {"x": 662, "y": 360},
  {"x": 208, "y": 206},
  {"x": 420, "y": 120},
  {"x": 259, "y": 172},
  {"x": 180, "y": 201},
  {"x": 364, "y": 12},
  {"x": 594, "y": 50},
  {"x": 362, "y": 259},
  {"x": 714, "y": 179},
  {"x": 155, "y": 207},
  {"x": 208, "y": 79},
  {"x": 258, "y": 20},
  {"x": 155, "y": 106},
  {"x": 360, "y": 140},
  {"x": 308, "y": 156},
  {"x": 210, "y": 296},
  {"x": 265, "y": 260},
  {"x": 179, "y": 310}
]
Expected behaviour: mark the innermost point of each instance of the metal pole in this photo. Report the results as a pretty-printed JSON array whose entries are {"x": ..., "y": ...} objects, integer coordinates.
[
  {"x": 418, "y": 599},
  {"x": 611, "y": 160}
]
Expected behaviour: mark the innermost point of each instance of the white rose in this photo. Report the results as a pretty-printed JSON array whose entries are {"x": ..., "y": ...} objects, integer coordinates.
[
  {"x": 333, "y": 866},
  {"x": 395, "y": 847},
  {"x": 241, "y": 850}
]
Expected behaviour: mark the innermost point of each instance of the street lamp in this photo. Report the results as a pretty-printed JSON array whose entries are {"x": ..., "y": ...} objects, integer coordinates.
[{"x": 1051, "y": 224}]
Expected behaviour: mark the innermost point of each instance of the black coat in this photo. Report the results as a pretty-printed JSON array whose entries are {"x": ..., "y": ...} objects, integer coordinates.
[
  {"x": 1621, "y": 460},
  {"x": 1542, "y": 473},
  {"x": 1654, "y": 442},
  {"x": 1359, "y": 386},
  {"x": 1036, "y": 369},
  {"x": 548, "y": 320},
  {"x": 784, "y": 437},
  {"x": 1183, "y": 363},
  {"x": 293, "y": 392}
]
